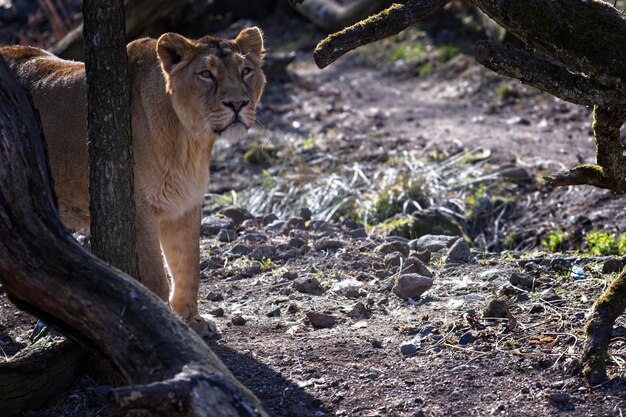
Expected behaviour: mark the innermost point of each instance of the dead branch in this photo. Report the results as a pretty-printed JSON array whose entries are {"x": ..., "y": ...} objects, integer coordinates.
[
  {"x": 46, "y": 272},
  {"x": 379, "y": 26},
  {"x": 545, "y": 75}
]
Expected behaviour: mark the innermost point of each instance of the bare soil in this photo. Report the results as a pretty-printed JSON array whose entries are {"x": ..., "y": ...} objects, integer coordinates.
[{"x": 369, "y": 112}]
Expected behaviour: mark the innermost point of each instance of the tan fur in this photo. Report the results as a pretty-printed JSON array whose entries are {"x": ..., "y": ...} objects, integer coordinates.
[{"x": 185, "y": 95}]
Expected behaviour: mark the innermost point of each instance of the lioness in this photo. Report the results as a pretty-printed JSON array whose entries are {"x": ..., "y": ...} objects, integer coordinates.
[{"x": 185, "y": 95}]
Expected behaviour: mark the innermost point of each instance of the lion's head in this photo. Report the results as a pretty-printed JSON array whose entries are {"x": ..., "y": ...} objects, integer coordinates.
[{"x": 214, "y": 84}]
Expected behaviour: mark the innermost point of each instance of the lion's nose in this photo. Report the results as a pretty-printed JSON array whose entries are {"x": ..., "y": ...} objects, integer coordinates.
[{"x": 236, "y": 105}]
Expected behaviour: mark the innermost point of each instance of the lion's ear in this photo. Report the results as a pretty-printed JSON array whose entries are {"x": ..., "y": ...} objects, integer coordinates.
[
  {"x": 250, "y": 40},
  {"x": 173, "y": 49}
]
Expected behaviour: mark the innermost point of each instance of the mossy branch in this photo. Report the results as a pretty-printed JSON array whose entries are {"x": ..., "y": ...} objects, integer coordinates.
[
  {"x": 545, "y": 75},
  {"x": 585, "y": 36},
  {"x": 606, "y": 310},
  {"x": 379, "y": 26},
  {"x": 588, "y": 174}
]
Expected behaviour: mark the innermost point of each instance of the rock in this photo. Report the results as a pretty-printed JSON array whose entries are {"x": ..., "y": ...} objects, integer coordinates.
[
  {"x": 290, "y": 275},
  {"x": 522, "y": 280},
  {"x": 293, "y": 223},
  {"x": 251, "y": 223},
  {"x": 411, "y": 286},
  {"x": 612, "y": 266},
  {"x": 309, "y": 285},
  {"x": 496, "y": 308},
  {"x": 467, "y": 338},
  {"x": 263, "y": 252},
  {"x": 391, "y": 247},
  {"x": 559, "y": 397},
  {"x": 227, "y": 235},
  {"x": 276, "y": 225},
  {"x": 218, "y": 312},
  {"x": 240, "y": 250},
  {"x": 268, "y": 219},
  {"x": 434, "y": 243},
  {"x": 358, "y": 311},
  {"x": 359, "y": 233},
  {"x": 238, "y": 320},
  {"x": 324, "y": 228},
  {"x": 516, "y": 174},
  {"x": 459, "y": 253},
  {"x": 321, "y": 320},
  {"x": 305, "y": 213},
  {"x": 296, "y": 242},
  {"x": 288, "y": 254},
  {"x": 237, "y": 214},
  {"x": 255, "y": 237},
  {"x": 408, "y": 349},
  {"x": 393, "y": 259},
  {"x": 354, "y": 291},
  {"x": 423, "y": 256},
  {"x": 293, "y": 308},
  {"x": 327, "y": 243},
  {"x": 275, "y": 312},
  {"x": 549, "y": 295},
  {"x": 214, "y": 296},
  {"x": 212, "y": 225},
  {"x": 434, "y": 222},
  {"x": 377, "y": 344},
  {"x": 412, "y": 265},
  {"x": 426, "y": 330}
]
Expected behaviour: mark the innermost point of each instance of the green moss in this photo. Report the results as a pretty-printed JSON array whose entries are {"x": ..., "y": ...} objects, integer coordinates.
[
  {"x": 447, "y": 52},
  {"x": 554, "y": 241},
  {"x": 601, "y": 243}
]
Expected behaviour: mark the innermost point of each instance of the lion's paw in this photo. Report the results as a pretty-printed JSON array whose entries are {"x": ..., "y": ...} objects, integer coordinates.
[{"x": 204, "y": 327}]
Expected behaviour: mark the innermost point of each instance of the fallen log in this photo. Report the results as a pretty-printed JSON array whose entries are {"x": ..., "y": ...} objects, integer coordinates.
[{"x": 47, "y": 273}]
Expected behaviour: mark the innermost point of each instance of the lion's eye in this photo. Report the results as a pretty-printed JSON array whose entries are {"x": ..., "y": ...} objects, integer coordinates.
[
  {"x": 246, "y": 71},
  {"x": 206, "y": 74}
]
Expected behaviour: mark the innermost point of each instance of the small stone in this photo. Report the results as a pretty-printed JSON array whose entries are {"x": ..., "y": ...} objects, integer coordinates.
[
  {"x": 226, "y": 235},
  {"x": 377, "y": 344},
  {"x": 240, "y": 250},
  {"x": 218, "y": 312},
  {"x": 549, "y": 295},
  {"x": 275, "y": 312},
  {"x": 255, "y": 237},
  {"x": 251, "y": 223},
  {"x": 321, "y": 320},
  {"x": 612, "y": 266},
  {"x": 237, "y": 214},
  {"x": 496, "y": 308},
  {"x": 459, "y": 253},
  {"x": 423, "y": 256},
  {"x": 354, "y": 291},
  {"x": 293, "y": 223},
  {"x": 393, "y": 260},
  {"x": 359, "y": 233},
  {"x": 308, "y": 285},
  {"x": 276, "y": 225},
  {"x": 467, "y": 338},
  {"x": 391, "y": 247},
  {"x": 327, "y": 243},
  {"x": 523, "y": 280},
  {"x": 412, "y": 265},
  {"x": 263, "y": 252},
  {"x": 293, "y": 308},
  {"x": 238, "y": 320},
  {"x": 434, "y": 243},
  {"x": 358, "y": 311},
  {"x": 411, "y": 286},
  {"x": 296, "y": 242},
  {"x": 559, "y": 397},
  {"x": 408, "y": 349},
  {"x": 212, "y": 225},
  {"x": 516, "y": 174},
  {"x": 305, "y": 213},
  {"x": 290, "y": 275},
  {"x": 214, "y": 296},
  {"x": 288, "y": 254},
  {"x": 268, "y": 219}
]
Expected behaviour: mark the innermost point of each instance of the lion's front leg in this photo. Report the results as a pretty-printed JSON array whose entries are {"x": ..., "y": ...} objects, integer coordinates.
[{"x": 180, "y": 242}]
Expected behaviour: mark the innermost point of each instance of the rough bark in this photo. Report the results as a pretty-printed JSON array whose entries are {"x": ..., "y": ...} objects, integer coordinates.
[
  {"x": 46, "y": 272},
  {"x": 379, "y": 26},
  {"x": 599, "y": 328},
  {"x": 112, "y": 205},
  {"x": 25, "y": 378},
  {"x": 546, "y": 75}
]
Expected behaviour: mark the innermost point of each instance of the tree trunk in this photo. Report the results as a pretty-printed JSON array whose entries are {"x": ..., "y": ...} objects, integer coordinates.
[
  {"x": 112, "y": 205},
  {"x": 47, "y": 273}
]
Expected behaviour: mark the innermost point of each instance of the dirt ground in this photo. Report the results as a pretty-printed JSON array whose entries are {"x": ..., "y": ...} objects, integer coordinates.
[{"x": 300, "y": 280}]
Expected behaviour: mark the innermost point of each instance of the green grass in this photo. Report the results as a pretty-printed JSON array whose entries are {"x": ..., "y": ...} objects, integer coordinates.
[{"x": 555, "y": 240}]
